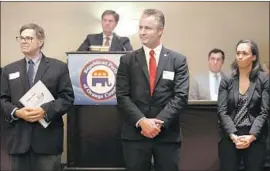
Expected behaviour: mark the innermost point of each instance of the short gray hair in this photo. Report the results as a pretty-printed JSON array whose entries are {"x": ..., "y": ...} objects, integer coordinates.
[
  {"x": 157, "y": 14},
  {"x": 40, "y": 33}
]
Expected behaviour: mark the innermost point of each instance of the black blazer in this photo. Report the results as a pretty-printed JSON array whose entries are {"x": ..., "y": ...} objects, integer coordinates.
[
  {"x": 55, "y": 75},
  {"x": 169, "y": 99},
  {"x": 258, "y": 105},
  {"x": 118, "y": 43}
]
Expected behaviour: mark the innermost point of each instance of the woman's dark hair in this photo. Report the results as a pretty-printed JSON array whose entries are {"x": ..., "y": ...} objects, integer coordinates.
[{"x": 256, "y": 66}]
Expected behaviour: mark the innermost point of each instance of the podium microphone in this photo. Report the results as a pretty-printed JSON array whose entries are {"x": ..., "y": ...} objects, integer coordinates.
[{"x": 124, "y": 48}]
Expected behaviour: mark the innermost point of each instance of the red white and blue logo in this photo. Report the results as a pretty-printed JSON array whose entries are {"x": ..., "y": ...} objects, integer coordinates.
[{"x": 98, "y": 78}]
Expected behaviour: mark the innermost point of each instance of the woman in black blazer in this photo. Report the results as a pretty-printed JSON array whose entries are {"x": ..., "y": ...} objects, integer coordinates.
[{"x": 243, "y": 106}]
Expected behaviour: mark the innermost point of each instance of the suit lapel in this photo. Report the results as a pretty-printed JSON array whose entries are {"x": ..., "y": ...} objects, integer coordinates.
[
  {"x": 43, "y": 66},
  {"x": 114, "y": 43},
  {"x": 140, "y": 56},
  {"x": 23, "y": 71},
  {"x": 207, "y": 84},
  {"x": 235, "y": 90},
  {"x": 100, "y": 39},
  {"x": 163, "y": 58},
  {"x": 250, "y": 90}
]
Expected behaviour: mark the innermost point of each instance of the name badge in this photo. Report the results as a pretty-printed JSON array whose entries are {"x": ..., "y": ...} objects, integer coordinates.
[
  {"x": 14, "y": 75},
  {"x": 168, "y": 75}
]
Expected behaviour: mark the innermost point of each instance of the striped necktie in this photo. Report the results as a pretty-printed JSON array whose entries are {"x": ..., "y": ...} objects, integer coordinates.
[{"x": 30, "y": 72}]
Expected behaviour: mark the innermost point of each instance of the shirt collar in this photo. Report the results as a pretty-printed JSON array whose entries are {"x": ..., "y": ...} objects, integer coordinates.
[
  {"x": 104, "y": 36},
  {"x": 157, "y": 50},
  {"x": 213, "y": 73},
  {"x": 35, "y": 59}
]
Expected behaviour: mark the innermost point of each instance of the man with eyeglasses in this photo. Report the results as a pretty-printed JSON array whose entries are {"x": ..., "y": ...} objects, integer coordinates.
[{"x": 31, "y": 146}]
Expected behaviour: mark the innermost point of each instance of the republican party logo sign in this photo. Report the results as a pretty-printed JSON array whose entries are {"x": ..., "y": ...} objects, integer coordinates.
[{"x": 97, "y": 79}]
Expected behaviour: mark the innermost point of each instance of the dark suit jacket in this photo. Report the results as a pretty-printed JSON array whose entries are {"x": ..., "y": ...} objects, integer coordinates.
[
  {"x": 118, "y": 43},
  {"x": 168, "y": 101},
  {"x": 55, "y": 75},
  {"x": 258, "y": 105}
]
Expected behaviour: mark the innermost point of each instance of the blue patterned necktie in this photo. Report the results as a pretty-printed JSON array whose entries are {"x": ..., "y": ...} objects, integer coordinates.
[{"x": 30, "y": 73}]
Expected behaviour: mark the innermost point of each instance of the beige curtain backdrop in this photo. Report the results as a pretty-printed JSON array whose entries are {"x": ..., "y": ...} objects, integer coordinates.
[{"x": 191, "y": 28}]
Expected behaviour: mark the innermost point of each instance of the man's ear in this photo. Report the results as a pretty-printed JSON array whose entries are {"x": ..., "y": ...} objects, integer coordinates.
[
  {"x": 41, "y": 42},
  {"x": 161, "y": 31}
]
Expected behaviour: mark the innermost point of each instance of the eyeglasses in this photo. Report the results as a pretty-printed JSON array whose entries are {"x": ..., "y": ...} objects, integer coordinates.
[{"x": 27, "y": 39}]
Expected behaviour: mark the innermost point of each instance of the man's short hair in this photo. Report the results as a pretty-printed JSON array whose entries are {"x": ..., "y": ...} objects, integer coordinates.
[
  {"x": 216, "y": 50},
  {"x": 111, "y": 12},
  {"x": 158, "y": 15},
  {"x": 40, "y": 33}
]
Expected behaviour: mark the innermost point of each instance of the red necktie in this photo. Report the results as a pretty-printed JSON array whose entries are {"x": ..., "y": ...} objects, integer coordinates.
[{"x": 152, "y": 71}]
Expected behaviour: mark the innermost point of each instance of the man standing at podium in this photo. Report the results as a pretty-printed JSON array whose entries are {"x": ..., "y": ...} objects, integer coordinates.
[
  {"x": 152, "y": 91},
  {"x": 31, "y": 146},
  {"x": 109, "y": 21}
]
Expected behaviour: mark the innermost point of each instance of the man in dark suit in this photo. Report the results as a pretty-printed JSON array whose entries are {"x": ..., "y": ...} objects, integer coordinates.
[
  {"x": 31, "y": 146},
  {"x": 152, "y": 91},
  {"x": 109, "y": 21}
]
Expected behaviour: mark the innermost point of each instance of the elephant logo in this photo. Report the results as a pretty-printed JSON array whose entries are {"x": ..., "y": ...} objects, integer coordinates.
[
  {"x": 100, "y": 76},
  {"x": 97, "y": 79}
]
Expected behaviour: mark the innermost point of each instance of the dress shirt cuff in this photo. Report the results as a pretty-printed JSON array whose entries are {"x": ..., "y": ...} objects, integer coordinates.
[
  {"x": 13, "y": 114},
  {"x": 137, "y": 124}
]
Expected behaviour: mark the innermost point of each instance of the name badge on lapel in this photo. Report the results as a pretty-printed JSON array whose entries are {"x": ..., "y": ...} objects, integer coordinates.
[
  {"x": 168, "y": 75},
  {"x": 14, "y": 75}
]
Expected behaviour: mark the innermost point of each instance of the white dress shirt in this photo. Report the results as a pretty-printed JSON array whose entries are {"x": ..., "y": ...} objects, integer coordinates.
[
  {"x": 147, "y": 50},
  {"x": 36, "y": 61},
  {"x": 212, "y": 84},
  {"x": 157, "y": 51}
]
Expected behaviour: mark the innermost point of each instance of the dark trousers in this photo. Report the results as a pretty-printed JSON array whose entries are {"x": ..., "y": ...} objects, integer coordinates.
[
  {"x": 138, "y": 155},
  {"x": 267, "y": 160},
  {"x": 32, "y": 161},
  {"x": 230, "y": 156}
]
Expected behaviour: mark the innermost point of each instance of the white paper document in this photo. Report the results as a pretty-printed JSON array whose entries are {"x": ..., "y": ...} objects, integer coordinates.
[{"x": 35, "y": 97}]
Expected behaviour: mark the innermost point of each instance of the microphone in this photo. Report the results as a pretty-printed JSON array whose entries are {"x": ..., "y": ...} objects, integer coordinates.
[
  {"x": 124, "y": 48},
  {"x": 121, "y": 43}
]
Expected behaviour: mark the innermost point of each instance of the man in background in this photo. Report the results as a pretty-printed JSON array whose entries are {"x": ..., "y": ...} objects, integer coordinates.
[
  {"x": 109, "y": 21},
  {"x": 31, "y": 146},
  {"x": 205, "y": 86}
]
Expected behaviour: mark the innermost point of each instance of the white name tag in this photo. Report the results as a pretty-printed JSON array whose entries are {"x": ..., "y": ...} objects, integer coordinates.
[
  {"x": 168, "y": 75},
  {"x": 14, "y": 75}
]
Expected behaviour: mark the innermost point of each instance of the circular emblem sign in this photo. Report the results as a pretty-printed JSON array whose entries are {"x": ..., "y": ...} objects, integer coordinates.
[{"x": 97, "y": 79}]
